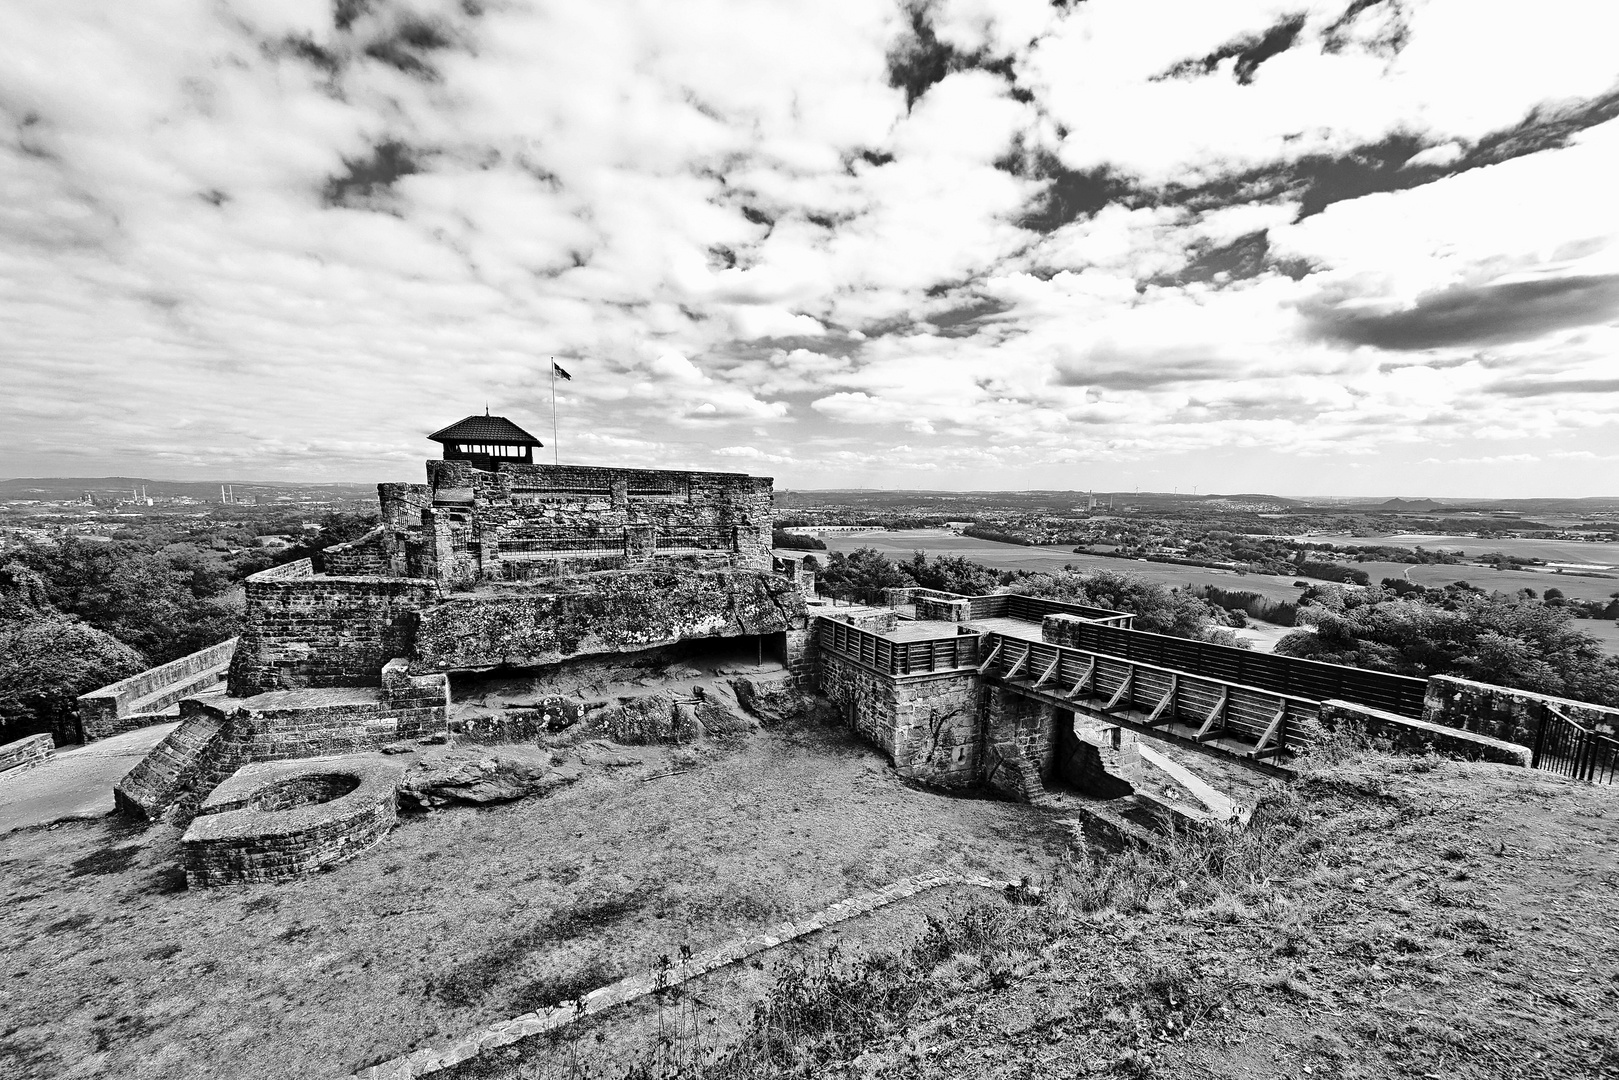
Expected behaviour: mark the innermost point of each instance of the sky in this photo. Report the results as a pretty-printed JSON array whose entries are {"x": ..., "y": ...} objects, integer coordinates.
[{"x": 1358, "y": 247}]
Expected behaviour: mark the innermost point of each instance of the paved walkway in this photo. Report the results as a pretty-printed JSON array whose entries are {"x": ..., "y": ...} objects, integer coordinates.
[{"x": 77, "y": 783}]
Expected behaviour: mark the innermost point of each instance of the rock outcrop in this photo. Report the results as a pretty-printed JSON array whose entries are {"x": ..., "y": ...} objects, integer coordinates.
[
  {"x": 616, "y": 612},
  {"x": 480, "y": 780}
]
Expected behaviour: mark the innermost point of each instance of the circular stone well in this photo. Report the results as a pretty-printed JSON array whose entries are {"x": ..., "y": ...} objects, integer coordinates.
[{"x": 276, "y": 820}]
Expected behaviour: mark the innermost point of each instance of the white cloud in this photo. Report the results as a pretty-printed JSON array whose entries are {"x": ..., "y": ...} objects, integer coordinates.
[{"x": 231, "y": 237}]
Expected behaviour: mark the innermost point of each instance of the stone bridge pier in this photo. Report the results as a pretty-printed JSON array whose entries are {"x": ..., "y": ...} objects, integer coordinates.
[{"x": 1031, "y": 744}]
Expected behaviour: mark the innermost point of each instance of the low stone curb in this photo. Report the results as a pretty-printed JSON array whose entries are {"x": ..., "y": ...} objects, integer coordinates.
[{"x": 505, "y": 1032}]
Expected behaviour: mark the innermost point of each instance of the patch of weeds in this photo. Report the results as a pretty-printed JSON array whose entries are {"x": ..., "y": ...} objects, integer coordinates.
[
  {"x": 167, "y": 881},
  {"x": 162, "y": 952},
  {"x": 553, "y": 990},
  {"x": 296, "y": 932},
  {"x": 124, "y": 1029},
  {"x": 70, "y": 924},
  {"x": 20, "y": 1056},
  {"x": 266, "y": 903},
  {"x": 472, "y": 980},
  {"x": 107, "y": 861}
]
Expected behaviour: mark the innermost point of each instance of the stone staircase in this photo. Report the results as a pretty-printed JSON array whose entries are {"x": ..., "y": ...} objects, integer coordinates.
[{"x": 188, "y": 762}]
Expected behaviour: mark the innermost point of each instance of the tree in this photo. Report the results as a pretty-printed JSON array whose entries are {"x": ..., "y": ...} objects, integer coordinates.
[
  {"x": 1457, "y": 631},
  {"x": 1158, "y": 610},
  {"x": 861, "y": 574},
  {"x": 47, "y": 659}
]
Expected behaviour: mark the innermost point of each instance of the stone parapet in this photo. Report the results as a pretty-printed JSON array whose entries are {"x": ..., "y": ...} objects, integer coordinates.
[
  {"x": 140, "y": 700},
  {"x": 27, "y": 751},
  {"x": 1418, "y": 736},
  {"x": 1505, "y": 714}
]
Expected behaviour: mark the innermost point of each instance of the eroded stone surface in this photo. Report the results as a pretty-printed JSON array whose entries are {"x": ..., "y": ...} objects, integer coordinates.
[
  {"x": 481, "y": 779},
  {"x": 621, "y": 611}
]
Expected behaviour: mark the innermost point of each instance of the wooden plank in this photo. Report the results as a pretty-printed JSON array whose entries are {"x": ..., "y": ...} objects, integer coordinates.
[
  {"x": 1123, "y": 692},
  {"x": 1021, "y": 663},
  {"x": 1269, "y": 738},
  {"x": 1215, "y": 724},
  {"x": 1167, "y": 704},
  {"x": 1086, "y": 683},
  {"x": 994, "y": 654},
  {"x": 1050, "y": 671}
]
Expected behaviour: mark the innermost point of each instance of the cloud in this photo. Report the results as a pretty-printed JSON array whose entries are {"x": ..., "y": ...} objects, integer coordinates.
[
  {"x": 981, "y": 243},
  {"x": 1471, "y": 315}
]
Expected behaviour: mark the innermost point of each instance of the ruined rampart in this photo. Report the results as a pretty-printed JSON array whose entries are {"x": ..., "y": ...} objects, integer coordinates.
[
  {"x": 215, "y": 738},
  {"x": 1503, "y": 713},
  {"x": 307, "y": 631},
  {"x": 366, "y": 556}
]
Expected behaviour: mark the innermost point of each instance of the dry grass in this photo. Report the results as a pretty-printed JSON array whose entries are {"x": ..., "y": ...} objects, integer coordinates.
[
  {"x": 1385, "y": 917},
  {"x": 459, "y": 918}
]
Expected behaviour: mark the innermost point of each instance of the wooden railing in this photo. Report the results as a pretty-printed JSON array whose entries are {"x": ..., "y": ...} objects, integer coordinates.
[
  {"x": 890, "y": 657},
  {"x": 1399, "y": 694},
  {"x": 1147, "y": 695}
]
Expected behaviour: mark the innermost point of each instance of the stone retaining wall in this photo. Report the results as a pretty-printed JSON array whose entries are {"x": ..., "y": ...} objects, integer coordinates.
[
  {"x": 616, "y": 612},
  {"x": 26, "y": 751}
]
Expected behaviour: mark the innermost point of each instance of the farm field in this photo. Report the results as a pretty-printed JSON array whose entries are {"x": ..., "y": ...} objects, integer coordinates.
[
  {"x": 899, "y": 544},
  {"x": 1553, "y": 551}
]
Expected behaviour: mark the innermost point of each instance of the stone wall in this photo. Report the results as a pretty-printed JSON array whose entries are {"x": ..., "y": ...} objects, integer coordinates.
[
  {"x": 307, "y": 631},
  {"x": 926, "y": 724},
  {"x": 1509, "y": 715},
  {"x": 624, "y": 611},
  {"x": 1418, "y": 736},
  {"x": 26, "y": 751},
  {"x": 1018, "y": 743},
  {"x": 140, "y": 700},
  {"x": 953, "y": 610},
  {"x": 401, "y": 506},
  {"x": 367, "y": 556},
  {"x": 728, "y": 512},
  {"x": 215, "y": 738}
]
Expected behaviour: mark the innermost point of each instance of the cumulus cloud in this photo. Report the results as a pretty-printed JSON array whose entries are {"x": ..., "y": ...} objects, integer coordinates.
[{"x": 966, "y": 243}]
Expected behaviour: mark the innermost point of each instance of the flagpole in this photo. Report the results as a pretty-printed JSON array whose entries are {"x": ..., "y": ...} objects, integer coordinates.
[{"x": 555, "y": 460}]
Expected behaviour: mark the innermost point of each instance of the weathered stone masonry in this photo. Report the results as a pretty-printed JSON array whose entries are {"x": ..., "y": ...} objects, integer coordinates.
[
  {"x": 307, "y": 631},
  {"x": 216, "y": 738},
  {"x": 925, "y": 723}
]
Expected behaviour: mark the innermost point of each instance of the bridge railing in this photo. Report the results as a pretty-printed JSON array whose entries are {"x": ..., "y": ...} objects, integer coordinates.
[
  {"x": 890, "y": 657},
  {"x": 1399, "y": 694},
  {"x": 1205, "y": 708}
]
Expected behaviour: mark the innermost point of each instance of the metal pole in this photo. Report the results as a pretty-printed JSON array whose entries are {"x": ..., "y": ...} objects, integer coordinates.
[{"x": 554, "y": 458}]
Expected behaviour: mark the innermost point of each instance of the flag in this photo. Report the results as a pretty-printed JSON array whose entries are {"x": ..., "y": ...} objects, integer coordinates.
[{"x": 560, "y": 371}]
